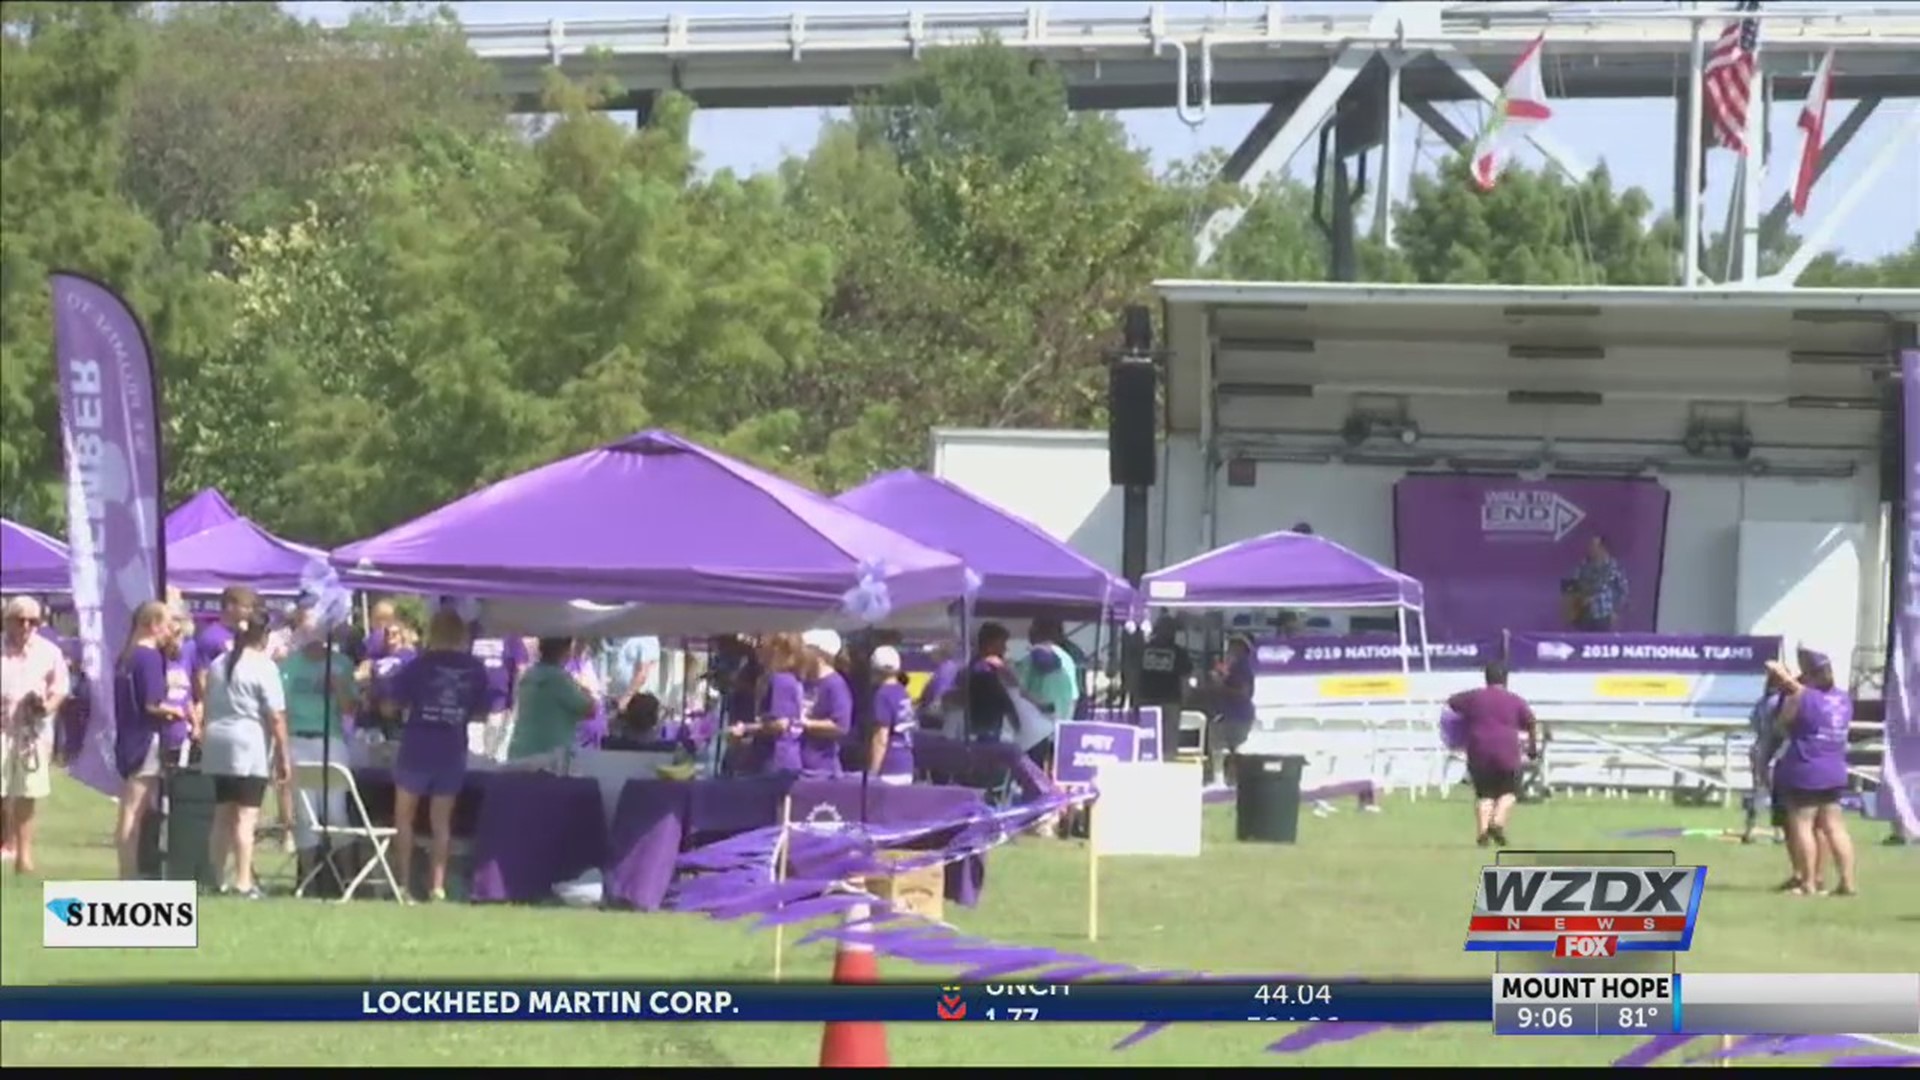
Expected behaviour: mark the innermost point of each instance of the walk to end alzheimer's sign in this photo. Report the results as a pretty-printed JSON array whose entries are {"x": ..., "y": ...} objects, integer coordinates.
[
  {"x": 1081, "y": 748},
  {"x": 1688, "y": 654},
  {"x": 1369, "y": 652},
  {"x": 1492, "y": 552}
]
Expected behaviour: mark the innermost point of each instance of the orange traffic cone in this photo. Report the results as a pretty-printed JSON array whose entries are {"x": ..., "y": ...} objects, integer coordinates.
[{"x": 855, "y": 1044}]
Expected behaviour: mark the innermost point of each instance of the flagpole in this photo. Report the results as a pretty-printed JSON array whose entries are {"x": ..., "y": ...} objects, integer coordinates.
[
  {"x": 1753, "y": 171},
  {"x": 1689, "y": 266}
]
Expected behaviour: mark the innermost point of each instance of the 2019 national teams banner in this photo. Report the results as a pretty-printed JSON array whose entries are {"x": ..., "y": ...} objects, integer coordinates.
[
  {"x": 1900, "y": 770},
  {"x": 109, "y": 430},
  {"x": 1493, "y": 551}
]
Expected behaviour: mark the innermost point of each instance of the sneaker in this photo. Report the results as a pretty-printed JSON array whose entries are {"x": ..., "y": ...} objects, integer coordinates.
[
  {"x": 253, "y": 894},
  {"x": 1499, "y": 835},
  {"x": 1482, "y": 840}
]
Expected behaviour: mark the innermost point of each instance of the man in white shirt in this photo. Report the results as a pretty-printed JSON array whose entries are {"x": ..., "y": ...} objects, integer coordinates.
[
  {"x": 630, "y": 667},
  {"x": 33, "y": 682}
]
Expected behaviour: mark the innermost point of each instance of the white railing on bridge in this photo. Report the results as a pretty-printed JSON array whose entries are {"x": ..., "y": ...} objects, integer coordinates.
[{"x": 1845, "y": 26}]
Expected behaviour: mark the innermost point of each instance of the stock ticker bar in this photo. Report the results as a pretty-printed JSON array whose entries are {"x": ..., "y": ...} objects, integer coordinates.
[
  {"x": 1516, "y": 1004},
  {"x": 1291, "y": 1001},
  {"x": 1706, "y": 1004}
]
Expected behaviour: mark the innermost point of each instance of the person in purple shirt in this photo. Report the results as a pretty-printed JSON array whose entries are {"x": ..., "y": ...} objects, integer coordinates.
[
  {"x": 1492, "y": 719},
  {"x": 237, "y": 602},
  {"x": 400, "y": 644},
  {"x": 504, "y": 659},
  {"x": 143, "y": 712},
  {"x": 890, "y": 757},
  {"x": 1233, "y": 697},
  {"x": 783, "y": 706},
  {"x": 593, "y": 730},
  {"x": 441, "y": 694},
  {"x": 1812, "y": 771},
  {"x": 828, "y": 718}
]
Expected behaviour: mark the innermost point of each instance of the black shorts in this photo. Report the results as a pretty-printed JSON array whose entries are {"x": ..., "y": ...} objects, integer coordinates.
[
  {"x": 1494, "y": 783},
  {"x": 247, "y": 792},
  {"x": 1798, "y": 799}
]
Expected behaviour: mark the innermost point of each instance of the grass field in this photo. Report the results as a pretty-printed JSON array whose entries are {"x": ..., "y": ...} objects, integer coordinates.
[{"x": 1360, "y": 895}]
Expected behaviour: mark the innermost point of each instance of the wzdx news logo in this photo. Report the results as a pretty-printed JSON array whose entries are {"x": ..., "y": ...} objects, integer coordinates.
[
  {"x": 121, "y": 915},
  {"x": 1586, "y": 912}
]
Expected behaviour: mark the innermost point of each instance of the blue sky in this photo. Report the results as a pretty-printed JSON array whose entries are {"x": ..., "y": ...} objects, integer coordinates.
[{"x": 1633, "y": 138}]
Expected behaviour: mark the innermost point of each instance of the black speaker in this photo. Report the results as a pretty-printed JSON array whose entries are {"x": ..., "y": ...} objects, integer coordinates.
[
  {"x": 1893, "y": 442},
  {"x": 1132, "y": 412}
]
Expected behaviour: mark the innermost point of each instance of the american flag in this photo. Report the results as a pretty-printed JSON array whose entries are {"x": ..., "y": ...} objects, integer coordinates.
[{"x": 1727, "y": 80}]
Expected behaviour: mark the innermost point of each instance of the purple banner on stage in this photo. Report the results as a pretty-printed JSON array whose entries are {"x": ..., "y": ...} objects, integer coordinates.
[
  {"x": 1900, "y": 767},
  {"x": 1679, "y": 653},
  {"x": 109, "y": 427},
  {"x": 1368, "y": 652},
  {"x": 1500, "y": 553},
  {"x": 1080, "y": 748}
]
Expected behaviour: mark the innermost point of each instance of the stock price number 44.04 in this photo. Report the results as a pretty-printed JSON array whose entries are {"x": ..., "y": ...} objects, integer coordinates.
[
  {"x": 1543, "y": 1018},
  {"x": 1286, "y": 994}
]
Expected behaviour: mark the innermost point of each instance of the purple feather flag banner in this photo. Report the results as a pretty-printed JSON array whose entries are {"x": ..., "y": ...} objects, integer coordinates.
[{"x": 110, "y": 430}]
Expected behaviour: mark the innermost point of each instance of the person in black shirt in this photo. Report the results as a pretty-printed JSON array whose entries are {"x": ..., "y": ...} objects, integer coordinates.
[
  {"x": 1166, "y": 667},
  {"x": 990, "y": 708}
]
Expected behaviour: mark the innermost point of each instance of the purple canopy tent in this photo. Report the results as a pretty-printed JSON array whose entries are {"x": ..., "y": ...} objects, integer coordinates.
[
  {"x": 31, "y": 561},
  {"x": 666, "y": 537},
  {"x": 205, "y": 510},
  {"x": 237, "y": 552},
  {"x": 1022, "y": 570},
  {"x": 1296, "y": 570}
]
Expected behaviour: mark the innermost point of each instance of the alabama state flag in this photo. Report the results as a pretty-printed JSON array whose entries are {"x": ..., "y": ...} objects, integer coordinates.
[{"x": 1522, "y": 106}]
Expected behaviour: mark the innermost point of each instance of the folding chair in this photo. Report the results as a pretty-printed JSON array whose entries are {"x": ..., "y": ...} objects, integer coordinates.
[{"x": 310, "y": 778}]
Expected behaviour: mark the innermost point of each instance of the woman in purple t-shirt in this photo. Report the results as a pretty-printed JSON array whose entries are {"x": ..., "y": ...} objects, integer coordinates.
[
  {"x": 1811, "y": 773},
  {"x": 890, "y": 756},
  {"x": 775, "y": 745},
  {"x": 144, "y": 711},
  {"x": 829, "y": 712},
  {"x": 440, "y": 694}
]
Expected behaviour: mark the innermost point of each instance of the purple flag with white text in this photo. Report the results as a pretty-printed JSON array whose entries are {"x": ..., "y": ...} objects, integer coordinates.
[
  {"x": 1502, "y": 553},
  {"x": 109, "y": 430},
  {"x": 1900, "y": 769}
]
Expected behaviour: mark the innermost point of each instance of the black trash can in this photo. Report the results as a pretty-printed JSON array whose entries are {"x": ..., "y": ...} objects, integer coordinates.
[
  {"x": 189, "y": 805},
  {"x": 1267, "y": 798}
]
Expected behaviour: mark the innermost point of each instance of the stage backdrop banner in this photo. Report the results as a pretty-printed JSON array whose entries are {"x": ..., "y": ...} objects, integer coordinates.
[
  {"x": 1689, "y": 654},
  {"x": 1492, "y": 551},
  {"x": 1369, "y": 652},
  {"x": 1900, "y": 769},
  {"x": 109, "y": 427}
]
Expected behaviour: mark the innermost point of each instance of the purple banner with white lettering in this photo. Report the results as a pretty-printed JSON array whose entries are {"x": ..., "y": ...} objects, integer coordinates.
[
  {"x": 109, "y": 427},
  {"x": 1080, "y": 748},
  {"x": 1369, "y": 652},
  {"x": 1900, "y": 767},
  {"x": 1501, "y": 553},
  {"x": 1679, "y": 653}
]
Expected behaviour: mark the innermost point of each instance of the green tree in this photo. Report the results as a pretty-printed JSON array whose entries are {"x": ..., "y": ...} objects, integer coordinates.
[
  {"x": 64, "y": 72},
  {"x": 1533, "y": 228},
  {"x": 988, "y": 239},
  {"x": 1899, "y": 270}
]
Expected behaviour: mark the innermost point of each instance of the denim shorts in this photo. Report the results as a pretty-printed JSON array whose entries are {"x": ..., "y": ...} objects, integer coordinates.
[{"x": 431, "y": 783}]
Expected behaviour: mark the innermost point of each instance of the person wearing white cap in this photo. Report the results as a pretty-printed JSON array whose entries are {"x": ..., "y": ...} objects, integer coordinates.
[
  {"x": 829, "y": 714},
  {"x": 33, "y": 682},
  {"x": 890, "y": 755}
]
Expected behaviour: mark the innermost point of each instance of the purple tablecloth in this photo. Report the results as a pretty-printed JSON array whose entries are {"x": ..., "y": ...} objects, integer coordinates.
[
  {"x": 658, "y": 819},
  {"x": 530, "y": 830},
  {"x": 983, "y": 765}
]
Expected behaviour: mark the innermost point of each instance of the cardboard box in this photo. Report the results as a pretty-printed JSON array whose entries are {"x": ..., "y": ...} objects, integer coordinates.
[{"x": 919, "y": 891}]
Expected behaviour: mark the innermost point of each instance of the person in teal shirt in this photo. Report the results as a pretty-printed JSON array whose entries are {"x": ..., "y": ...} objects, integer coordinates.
[
  {"x": 1048, "y": 673},
  {"x": 314, "y": 723},
  {"x": 549, "y": 704}
]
